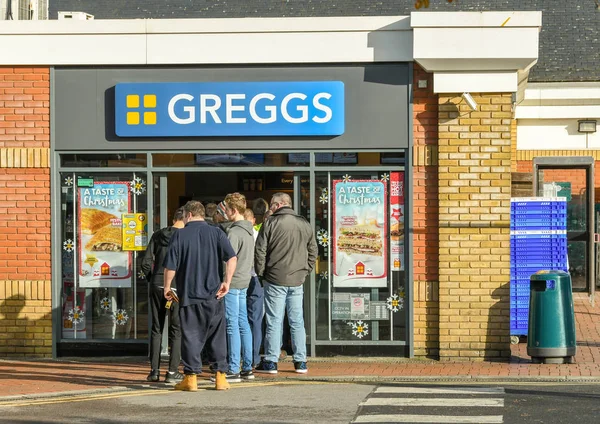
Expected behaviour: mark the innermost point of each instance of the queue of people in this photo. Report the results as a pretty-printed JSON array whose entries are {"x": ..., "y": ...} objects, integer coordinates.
[{"x": 224, "y": 275}]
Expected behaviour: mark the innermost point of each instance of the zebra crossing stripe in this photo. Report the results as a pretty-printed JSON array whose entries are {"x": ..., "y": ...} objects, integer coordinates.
[
  {"x": 448, "y": 390},
  {"x": 433, "y": 402},
  {"x": 431, "y": 419}
]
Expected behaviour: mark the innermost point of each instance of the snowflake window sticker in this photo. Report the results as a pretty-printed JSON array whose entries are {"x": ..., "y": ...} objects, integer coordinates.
[
  {"x": 324, "y": 275},
  {"x": 68, "y": 245},
  {"x": 323, "y": 238},
  {"x": 68, "y": 181},
  {"x": 395, "y": 303},
  {"x": 76, "y": 315},
  {"x": 121, "y": 317},
  {"x": 346, "y": 178},
  {"x": 141, "y": 275},
  {"x": 105, "y": 304},
  {"x": 137, "y": 186},
  {"x": 360, "y": 329},
  {"x": 385, "y": 177}
]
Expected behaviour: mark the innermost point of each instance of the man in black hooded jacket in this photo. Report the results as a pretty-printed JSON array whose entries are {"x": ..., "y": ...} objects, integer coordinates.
[{"x": 155, "y": 255}]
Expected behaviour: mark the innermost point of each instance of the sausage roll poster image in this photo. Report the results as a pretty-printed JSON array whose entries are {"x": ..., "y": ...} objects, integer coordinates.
[
  {"x": 360, "y": 220},
  {"x": 102, "y": 261}
]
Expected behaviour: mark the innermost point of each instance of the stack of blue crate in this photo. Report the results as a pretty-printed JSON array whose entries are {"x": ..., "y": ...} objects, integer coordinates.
[{"x": 538, "y": 241}]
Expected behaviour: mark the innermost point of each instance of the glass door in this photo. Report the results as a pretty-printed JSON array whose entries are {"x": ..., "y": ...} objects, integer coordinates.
[
  {"x": 573, "y": 179},
  {"x": 103, "y": 233},
  {"x": 360, "y": 292}
]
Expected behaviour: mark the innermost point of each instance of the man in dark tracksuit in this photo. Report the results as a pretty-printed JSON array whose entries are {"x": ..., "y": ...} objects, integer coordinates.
[
  {"x": 195, "y": 259},
  {"x": 152, "y": 267}
]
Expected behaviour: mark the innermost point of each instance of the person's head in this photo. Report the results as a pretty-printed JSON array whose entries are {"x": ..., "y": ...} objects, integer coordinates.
[
  {"x": 280, "y": 200},
  {"x": 235, "y": 205},
  {"x": 211, "y": 209},
  {"x": 259, "y": 208},
  {"x": 249, "y": 216},
  {"x": 193, "y": 211},
  {"x": 221, "y": 213},
  {"x": 178, "y": 216}
]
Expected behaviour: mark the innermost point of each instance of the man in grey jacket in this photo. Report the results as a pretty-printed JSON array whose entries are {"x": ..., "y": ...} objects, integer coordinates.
[
  {"x": 285, "y": 253},
  {"x": 239, "y": 336}
]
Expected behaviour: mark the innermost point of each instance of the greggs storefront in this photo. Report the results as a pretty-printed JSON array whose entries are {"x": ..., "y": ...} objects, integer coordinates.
[
  {"x": 131, "y": 145},
  {"x": 383, "y": 132}
]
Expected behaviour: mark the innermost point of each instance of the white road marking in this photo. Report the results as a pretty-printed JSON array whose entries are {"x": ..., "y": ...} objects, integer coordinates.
[
  {"x": 448, "y": 390},
  {"x": 432, "y": 402},
  {"x": 441, "y": 419}
]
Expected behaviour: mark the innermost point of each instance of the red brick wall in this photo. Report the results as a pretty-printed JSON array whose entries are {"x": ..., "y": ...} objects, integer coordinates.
[
  {"x": 24, "y": 107},
  {"x": 25, "y": 224},
  {"x": 25, "y": 261},
  {"x": 425, "y": 210},
  {"x": 575, "y": 176}
]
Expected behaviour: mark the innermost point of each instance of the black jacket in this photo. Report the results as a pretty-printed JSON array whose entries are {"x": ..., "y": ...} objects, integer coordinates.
[
  {"x": 286, "y": 249},
  {"x": 152, "y": 262}
]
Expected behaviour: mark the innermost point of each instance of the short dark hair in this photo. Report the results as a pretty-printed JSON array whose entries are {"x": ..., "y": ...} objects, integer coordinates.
[
  {"x": 260, "y": 206},
  {"x": 195, "y": 208},
  {"x": 178, "y": 215}
]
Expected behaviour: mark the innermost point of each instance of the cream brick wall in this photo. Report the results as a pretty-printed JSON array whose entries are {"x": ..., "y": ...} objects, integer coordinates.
[
  {"x": 474, "y": 215},
  {"x": 25, "y": 319}
]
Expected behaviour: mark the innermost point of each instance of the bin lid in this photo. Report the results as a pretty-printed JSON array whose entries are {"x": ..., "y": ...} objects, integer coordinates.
[{"x": 548, "y": 275}]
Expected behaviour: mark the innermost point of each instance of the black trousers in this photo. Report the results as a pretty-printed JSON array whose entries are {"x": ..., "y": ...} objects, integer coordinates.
[
  {"x": 203, "y": 326},
  {"x": 159, "y": 312},
  {"x": 255, "y": 304}
]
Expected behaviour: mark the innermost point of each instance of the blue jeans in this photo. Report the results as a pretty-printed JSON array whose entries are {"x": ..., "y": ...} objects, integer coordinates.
[
  {"x": 278, "y": 299},
  {"x": 239, "y": 337},
  {"x": 256, "y": 314}
]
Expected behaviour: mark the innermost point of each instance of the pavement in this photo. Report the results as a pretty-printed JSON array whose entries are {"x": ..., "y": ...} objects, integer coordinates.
[{"x": 46, "y": 378}]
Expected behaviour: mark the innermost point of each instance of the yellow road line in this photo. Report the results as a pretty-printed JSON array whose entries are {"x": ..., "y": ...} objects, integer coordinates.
[{"x": 144, "y": 392}]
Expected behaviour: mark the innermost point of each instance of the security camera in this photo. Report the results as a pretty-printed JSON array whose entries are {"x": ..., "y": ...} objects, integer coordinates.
[{"x": 470, "y": 101}]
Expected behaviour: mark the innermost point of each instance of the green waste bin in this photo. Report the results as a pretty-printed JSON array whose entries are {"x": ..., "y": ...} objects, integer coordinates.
[{"x": 551, "y": 332}]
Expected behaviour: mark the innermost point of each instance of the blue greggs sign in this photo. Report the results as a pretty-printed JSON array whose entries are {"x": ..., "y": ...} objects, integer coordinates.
[{"x": 220, "y": 109}]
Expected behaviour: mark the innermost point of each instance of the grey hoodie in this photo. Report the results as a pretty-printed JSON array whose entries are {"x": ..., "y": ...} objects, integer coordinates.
[{"x": 241, "y": 237}]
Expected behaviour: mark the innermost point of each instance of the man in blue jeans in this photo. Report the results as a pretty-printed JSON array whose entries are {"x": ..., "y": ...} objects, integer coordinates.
[
  {"x": 239, "y": 337},
  {"x": 285, "y": 253}
]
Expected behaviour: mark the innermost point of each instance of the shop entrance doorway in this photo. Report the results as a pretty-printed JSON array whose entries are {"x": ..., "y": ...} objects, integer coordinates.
[
  {"x": 573, "y": 178},
  {"x": 175, "y": 189}
]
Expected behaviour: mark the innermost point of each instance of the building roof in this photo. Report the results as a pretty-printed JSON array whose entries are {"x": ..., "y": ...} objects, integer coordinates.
[{"x": 569, "y": 40}]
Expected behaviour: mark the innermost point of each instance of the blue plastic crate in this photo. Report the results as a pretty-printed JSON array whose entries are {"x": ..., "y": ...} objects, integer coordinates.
[
  {"x": 549, "y": 248},
  {"x": 533, "y": 209},
  {"x": 517, "y": 217},
  {"x": 537, "y": 255},
  {"x": 539, "y": 235},
  {"x": 537, "y": 201},
  {"x": 520, "y": 291},
  {"x": 538, "y": 240},
  {"x": 537, "y": 226}
]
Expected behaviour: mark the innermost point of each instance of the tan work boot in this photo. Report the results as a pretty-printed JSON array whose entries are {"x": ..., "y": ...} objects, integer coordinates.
[
  {"x": 188, "y": 384},
  {"x": 221, "y": 382}
]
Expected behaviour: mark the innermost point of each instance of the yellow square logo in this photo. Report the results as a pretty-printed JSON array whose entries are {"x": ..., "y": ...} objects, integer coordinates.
[
  {"x": 133, "y": 101},
  {"x": 150, "y": 101},
  {"x": 149, "y": 118},
  {"x": 133, "y": 118}
]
